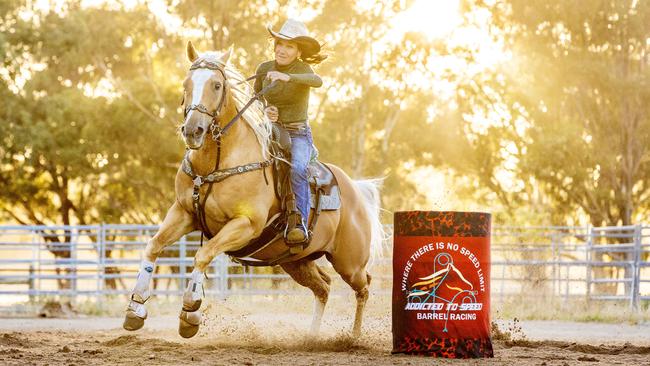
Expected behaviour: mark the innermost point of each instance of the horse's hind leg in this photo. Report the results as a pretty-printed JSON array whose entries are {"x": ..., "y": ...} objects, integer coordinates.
[
  {"x": 350, "y": 262},
  {"x": 359, "y": 280},
  {"x": 359, "y": 283},
  {"x": 308, "y": 274}
]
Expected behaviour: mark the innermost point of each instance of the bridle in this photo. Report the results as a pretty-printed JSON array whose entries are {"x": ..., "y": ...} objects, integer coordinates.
[{"x": 214, "y": 128}]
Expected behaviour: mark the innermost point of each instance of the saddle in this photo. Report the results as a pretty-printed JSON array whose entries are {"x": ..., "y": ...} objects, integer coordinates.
[{"x": 325, "y": 196}]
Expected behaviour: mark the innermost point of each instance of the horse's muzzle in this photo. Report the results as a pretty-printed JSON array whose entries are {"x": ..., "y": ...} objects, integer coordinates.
[{"x": 193, "y": 136}]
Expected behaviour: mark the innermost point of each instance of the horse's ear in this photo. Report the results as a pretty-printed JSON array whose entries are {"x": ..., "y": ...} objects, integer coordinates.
[
  {"x": 226, "y": 55},
  {"x": 192, "y": 55}
]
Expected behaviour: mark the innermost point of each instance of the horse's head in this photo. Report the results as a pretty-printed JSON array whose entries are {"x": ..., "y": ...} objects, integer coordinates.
[{"x": 204, "y": 96}]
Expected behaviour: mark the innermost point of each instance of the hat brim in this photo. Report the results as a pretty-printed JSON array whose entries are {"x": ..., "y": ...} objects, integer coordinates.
[{"x": 308, "y": 45}]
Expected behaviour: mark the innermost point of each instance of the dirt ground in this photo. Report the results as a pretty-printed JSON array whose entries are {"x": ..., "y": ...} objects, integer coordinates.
[{"x": 235, "y": 334}]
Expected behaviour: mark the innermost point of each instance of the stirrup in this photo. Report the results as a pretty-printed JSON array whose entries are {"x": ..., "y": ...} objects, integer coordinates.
[
  {"x": 295, "y": 233},
  {"x": 296, "y": 236}
]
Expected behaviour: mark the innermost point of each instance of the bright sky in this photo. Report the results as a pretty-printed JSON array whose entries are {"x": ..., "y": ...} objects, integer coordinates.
[{"x": 433, "y": 18}]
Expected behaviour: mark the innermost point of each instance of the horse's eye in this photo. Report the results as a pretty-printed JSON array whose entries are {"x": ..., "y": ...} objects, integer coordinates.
[{"x": 217, "y": 85}]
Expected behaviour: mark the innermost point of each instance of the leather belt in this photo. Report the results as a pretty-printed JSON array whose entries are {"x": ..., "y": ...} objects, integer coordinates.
[{"x": 297, "y": 125}]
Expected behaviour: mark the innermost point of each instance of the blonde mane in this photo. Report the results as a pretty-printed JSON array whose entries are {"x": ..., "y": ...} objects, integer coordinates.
[{"x": 242, "y": 92}]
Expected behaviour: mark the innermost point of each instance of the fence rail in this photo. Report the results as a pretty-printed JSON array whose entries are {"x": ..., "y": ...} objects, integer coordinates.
[{"x": 595, "y": 263}]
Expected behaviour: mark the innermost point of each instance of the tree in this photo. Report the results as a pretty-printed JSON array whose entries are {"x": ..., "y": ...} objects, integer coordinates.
[
  {"x": 71, "y": 152},
  {"x": 569, "y": 112},
  {"x": 569, "y": 118}
]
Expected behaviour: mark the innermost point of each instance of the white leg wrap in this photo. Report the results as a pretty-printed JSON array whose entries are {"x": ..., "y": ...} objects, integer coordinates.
[
  {"x": 138, "y": 309},
  {"x": 141, "y": 290},
  {"x": 194, "y": 289},
  {"x": 197, "y": 276}
]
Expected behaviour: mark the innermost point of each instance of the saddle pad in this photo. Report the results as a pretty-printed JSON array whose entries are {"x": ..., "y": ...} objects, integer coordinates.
[{"x": 321, "y": 178}]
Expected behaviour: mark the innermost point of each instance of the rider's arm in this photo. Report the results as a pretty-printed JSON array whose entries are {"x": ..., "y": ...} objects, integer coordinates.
[
  {"x": 309, "y": 78},
  {"x": 312, "y": 80},
  {"x": 258, "y": 80}
]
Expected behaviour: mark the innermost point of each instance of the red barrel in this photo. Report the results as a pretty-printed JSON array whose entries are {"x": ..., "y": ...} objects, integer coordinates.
[{"x": 441, "y": 284}]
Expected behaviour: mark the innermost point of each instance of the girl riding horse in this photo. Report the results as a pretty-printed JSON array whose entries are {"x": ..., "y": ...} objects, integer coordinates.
[{"x": 287, "y": 105}]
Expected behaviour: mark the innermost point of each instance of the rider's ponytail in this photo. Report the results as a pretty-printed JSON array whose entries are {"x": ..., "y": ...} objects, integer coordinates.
[{"x": 314, "y": 59}]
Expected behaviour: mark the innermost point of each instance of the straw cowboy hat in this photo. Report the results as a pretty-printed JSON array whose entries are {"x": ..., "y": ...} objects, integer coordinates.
[{"x": 295, "y": 30}]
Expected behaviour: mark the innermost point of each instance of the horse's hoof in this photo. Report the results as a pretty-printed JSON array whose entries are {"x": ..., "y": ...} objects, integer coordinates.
[
  {"x": 132, "y": 321},
  {"x": 189, "y": 322}
]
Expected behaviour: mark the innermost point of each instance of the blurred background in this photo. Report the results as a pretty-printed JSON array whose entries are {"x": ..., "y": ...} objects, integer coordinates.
[{"x": 536, "y": 111}]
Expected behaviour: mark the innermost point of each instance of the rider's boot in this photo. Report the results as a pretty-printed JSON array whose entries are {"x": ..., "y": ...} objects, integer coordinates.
[
  {"x": 190, "y": 317},
  {"x": 136, "y": 313},
  {"x": 295, "y": 234}
]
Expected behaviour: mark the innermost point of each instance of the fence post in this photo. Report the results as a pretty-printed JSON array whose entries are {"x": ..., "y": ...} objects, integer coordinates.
[
  {"x": 36, "y": 239},
  {"x": 555, "y": 266},
  {"x": 31, "y": 283},
  {"x": 635, "y": 289},
  {"x": 590, "y": 242},
  {"x": 74, "y": 260},
  {"x": 36, "y": 262},
  {"x": 101, "y": 261}
]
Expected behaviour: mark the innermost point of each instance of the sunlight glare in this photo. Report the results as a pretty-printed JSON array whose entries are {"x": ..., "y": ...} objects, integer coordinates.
[{"x": 432, "y": 18}]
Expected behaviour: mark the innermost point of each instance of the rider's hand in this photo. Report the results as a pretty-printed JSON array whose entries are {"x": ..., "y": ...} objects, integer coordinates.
[
  {"x": 276, "y": 75},
  {"x": 272, "y": 113}
]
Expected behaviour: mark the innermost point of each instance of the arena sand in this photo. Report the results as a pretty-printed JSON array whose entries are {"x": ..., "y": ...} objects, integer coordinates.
[{"x": 273, "y": 331}]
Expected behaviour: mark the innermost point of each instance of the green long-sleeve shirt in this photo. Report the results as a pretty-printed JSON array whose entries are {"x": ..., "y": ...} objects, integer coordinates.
[{"x": 292, "y": 97}]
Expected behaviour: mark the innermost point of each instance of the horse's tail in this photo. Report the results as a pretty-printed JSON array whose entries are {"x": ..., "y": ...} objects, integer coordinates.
[{"x": 371, "y": 203}]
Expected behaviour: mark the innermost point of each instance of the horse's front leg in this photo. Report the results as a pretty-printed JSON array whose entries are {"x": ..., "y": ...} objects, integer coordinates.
[
  {"x": 177, "y": 223},
  {"x": 234, "y": 235}
]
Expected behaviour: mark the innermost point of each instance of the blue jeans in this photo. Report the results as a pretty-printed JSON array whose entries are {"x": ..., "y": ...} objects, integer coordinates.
[{"x": 301, "y": 142}]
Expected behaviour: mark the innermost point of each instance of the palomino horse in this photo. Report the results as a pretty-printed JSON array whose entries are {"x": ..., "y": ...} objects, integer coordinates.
[{"x": 238, "y": 208}]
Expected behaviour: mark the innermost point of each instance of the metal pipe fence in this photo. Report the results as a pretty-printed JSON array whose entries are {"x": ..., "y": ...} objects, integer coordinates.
[{"x": 594, "y": 263}]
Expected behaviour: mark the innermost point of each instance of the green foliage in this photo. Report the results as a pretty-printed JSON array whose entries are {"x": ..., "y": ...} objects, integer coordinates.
[{"x": 70, "y": 157}]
